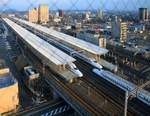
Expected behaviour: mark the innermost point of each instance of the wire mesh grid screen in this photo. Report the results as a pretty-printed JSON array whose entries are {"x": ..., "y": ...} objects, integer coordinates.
[
  {"x": 93, "y": 14},
  {"x": 77, "y": 17},
  {"x": 87, "y": 5}
]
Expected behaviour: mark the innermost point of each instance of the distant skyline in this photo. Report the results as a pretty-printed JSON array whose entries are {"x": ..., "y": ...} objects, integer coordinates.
[{"x": 23, "y": 5}]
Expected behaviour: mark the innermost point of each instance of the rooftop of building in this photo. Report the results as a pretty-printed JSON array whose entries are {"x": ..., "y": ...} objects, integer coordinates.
[
  {"x": 43, "y": 5},
  {"x": 6, "y": 78}
]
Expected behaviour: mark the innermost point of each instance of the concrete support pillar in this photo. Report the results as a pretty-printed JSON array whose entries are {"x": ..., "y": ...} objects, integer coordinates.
[
  {"x": 123, "y": 60},
  {"x": 62, "y": 67},
  {"x": 98, "y": 58},
  {"x": 109, "y": 53},
  {"x": 135, "y": 64},
  {"x": 126, "y": 103},
  {"x": 89, "y": 92},
  {"x": 130, "y": 63},
  {"x": 126, "y": 60},
  {"x": 43, "y": 68}
]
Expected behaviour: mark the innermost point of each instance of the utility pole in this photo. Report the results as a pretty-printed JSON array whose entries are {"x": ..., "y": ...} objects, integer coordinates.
[
  {"x": 126, "y": 103},
  {"x": 132, "y": 94}
]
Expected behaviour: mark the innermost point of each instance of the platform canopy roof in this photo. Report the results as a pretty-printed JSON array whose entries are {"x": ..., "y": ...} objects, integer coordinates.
[
  {"x": 91, "y": 48},
  {"x": 51, "y": 53}
]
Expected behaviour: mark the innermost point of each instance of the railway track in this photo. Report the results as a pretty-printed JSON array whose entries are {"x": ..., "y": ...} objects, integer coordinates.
[
  {"x": 115, "y": 105},
  {"x": 102, "y": 86},
  {"x": 98, "y": 83},
  {"x": 76, "y": 96},
  {"x": 90, "y": 81},
  {"x": 106, "y": 88},
  {"x": 102, "y": 91},
  {"x": 55, "y": 81},
  {"x": 35, "y": 108}
]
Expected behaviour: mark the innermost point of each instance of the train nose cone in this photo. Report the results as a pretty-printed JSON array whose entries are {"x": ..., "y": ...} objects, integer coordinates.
[{"x": 80, "y": 74}]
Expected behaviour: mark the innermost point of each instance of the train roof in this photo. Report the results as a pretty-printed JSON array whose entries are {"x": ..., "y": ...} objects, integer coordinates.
[
  {"x": 67, "y": 38},
  {"x": 53, "y": 54}
]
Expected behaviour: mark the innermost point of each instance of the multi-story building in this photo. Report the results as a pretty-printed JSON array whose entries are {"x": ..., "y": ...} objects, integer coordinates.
[
  {"x": 86, "y": 15},
  {"x": 119, "y": 30},
  {"x": 9, "y": 100},
  {"x": 100, "y": 14},
  {"x": 61, "y": 13},
  {"x": 137, "y": 28},
  {"x": 33, "y": 15},
  {"x": 123, "y": 31},
  {"x": 43, "y": 13},
  {"x": 92, "y": 37},
  {"x": 102, "y": 42},
  {"x": 143, "y": 14}
]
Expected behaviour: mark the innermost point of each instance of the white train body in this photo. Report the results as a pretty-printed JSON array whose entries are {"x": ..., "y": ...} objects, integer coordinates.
[
  {"x": 91, "y": 61},
  {"x": 73, "y": 53},
  {"x": 72, "y": 67},
  {"x": 125, "y": 85}
]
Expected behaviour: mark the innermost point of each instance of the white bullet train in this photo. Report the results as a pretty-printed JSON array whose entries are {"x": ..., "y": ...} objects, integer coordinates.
[
  {"x": 125, "y": 85},
  {"x": 73, "y": 53},
  {"x": 73, "y": 68},
  {"x": 91, "y": 61}
]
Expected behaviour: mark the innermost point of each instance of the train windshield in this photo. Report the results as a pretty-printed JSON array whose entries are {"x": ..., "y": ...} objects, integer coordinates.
[
  {"x": 93, "y": 60},
  {"x": 76, "y": 68},
  {"x": 73, "y": 66}
]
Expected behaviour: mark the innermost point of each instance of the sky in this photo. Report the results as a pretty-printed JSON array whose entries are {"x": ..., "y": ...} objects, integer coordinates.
[{"x": 23, "y": 5}]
